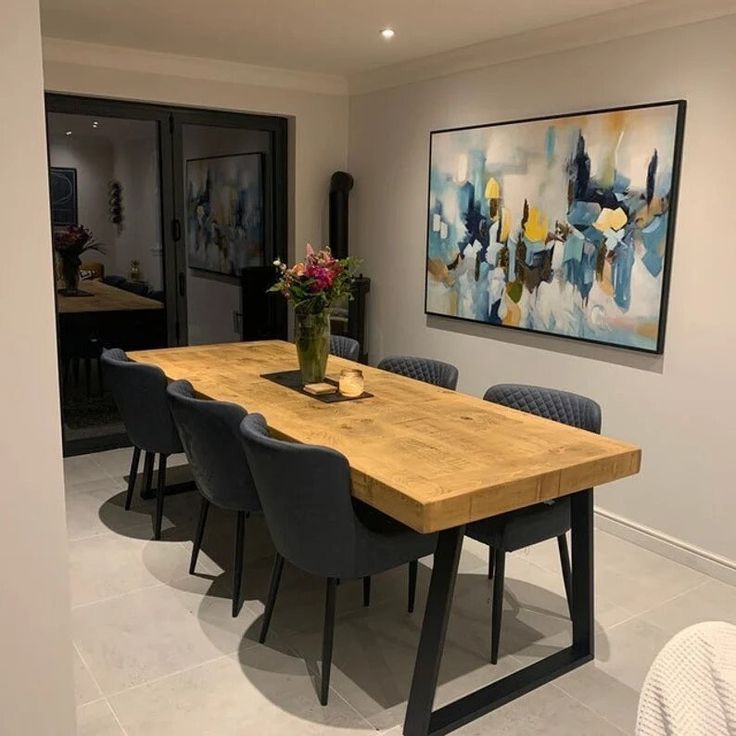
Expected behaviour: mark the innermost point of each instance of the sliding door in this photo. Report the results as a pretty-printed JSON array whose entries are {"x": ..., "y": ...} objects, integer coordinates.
[{"x": 185, "y": 209}]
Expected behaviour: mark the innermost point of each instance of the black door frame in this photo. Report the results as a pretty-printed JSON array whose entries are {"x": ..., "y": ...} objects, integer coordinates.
[{"x": 170, "y": 119}]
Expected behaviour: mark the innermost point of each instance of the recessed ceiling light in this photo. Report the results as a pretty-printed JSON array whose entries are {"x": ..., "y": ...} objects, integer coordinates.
[
  {"x": 94, "y": 123},
  {"x": 388, "y": 34},
  {"x": 68, "y": 132}
]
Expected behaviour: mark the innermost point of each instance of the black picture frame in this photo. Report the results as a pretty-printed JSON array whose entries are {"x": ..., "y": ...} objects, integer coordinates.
[
  {"x": 681, "y": 106},
  {"x": 63, "y": 193}
]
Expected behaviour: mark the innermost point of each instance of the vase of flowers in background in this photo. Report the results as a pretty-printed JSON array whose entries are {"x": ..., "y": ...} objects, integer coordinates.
[
  {"x": 313, "y": 286},
  {"x": 69, "y": 244}
]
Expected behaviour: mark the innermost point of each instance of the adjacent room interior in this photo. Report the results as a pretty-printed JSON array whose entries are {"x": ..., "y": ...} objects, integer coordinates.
[{"x": 366, "y": 367}]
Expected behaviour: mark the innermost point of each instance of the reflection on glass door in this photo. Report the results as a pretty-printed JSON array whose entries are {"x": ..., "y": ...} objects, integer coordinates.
[
  {"x": 105, "y": 183},
  {"x": 227, "y": 185}
]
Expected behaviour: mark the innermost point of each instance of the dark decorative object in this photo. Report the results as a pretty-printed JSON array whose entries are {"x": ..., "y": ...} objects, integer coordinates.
[
  {"x": 267, "y": 312},
  {"x": 340, "y": 185},
  {"x": 63, "y": 191},
  {"x": 224, "y": 213},
  {"x": 116, "y": 204},
  {"x": 69, "y": 244},
  {"x": 561, "y": 225},
  {"x": 348, "y": 318}
]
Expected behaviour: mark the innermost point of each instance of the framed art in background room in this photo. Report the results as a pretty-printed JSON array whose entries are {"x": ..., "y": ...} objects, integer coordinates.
[
  {"x": 63, "y": 191},
  {"x": 224, "y": 213},
  {"x": 562, "y": 225}
]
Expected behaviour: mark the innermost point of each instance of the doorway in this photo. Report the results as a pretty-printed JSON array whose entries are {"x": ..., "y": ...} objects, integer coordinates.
[{"x": 179, "y": 205}]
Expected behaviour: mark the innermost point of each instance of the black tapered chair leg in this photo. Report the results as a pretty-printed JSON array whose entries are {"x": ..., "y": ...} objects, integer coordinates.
[
  {"x": 149, "y": 459},
  {"x": 491, "y": 557},
  {"x": 160, "y": 493},
  {"x": 497, "y": 605},
  {"x": 135, "y": 461},
  {"x": 566, "y": 569},
  {"x": 367, "y": 590},
  {"x": 327, "y": 639},
  {"x": 413, "y": 569},
  {"x": 203, "y": 509},
  {"x": 238, "y": 561},
  {"x": 273, "y": 589}
]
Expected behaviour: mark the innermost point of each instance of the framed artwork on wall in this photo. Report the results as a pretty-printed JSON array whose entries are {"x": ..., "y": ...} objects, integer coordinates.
[
  {"x": 561, "y": 225},
  {"x": 63, "y": 193},
  {"x": 224, "y": 213}
]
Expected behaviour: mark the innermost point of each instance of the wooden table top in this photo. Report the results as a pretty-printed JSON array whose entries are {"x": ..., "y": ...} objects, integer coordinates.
[
  {"x": 429, "y": 457},
  {"x": 105, "y": 298}
]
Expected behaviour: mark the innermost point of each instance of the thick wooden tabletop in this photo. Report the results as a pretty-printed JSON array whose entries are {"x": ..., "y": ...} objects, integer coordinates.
[
  {"x": 429, "y": 457},
  {"x": 105, "y": 298}
]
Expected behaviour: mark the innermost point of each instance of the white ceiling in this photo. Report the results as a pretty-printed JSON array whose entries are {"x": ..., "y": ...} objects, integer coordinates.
[{"x": 338, "y": 37}]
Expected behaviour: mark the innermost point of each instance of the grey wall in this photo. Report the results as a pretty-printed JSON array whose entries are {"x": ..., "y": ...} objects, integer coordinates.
[{"x": 678, "y": 407}]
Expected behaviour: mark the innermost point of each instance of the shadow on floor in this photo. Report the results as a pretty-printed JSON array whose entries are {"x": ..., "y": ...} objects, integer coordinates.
[{"x": 375, "y": 647}]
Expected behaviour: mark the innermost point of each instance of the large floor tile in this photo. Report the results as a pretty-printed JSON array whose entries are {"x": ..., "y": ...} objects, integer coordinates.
[
  {"x": 638, "y": 579},
  {"x": 85, "y": 687},
  {"x": 83, "y": 469},
  {"x": 712, "y": 601},
  {"x": 111, "y": 564},
  {"x": 154, "y": 632},
  {"x": 546, "y": 711},
  {"x": 96, "y": 719},
  {"x": 626, "y": 652},
  {"x": 375, "y": 651},
  {"x": 607, "y": 696},
  {"x": 262, "y": 691}
]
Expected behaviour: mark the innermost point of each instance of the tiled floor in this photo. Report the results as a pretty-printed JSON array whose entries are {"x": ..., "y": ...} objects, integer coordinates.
[{"x": 156, "y": 650}]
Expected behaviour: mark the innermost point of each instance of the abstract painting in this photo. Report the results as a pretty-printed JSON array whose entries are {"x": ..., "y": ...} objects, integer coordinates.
[
  {"x": 63, "y": 190},
  {"x": 224, "y": 223},
  {"x": 561, "y": 225}
]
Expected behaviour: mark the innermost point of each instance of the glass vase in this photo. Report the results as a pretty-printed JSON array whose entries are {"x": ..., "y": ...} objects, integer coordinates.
[
  {"x": 312, "y": 336},
  {"x": 70, "y": 275}
]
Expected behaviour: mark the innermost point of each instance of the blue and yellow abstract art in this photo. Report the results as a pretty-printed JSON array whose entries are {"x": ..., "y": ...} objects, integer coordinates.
[
  {"x": 224, "y": 224},
  {"x": 559, "y": 225}
]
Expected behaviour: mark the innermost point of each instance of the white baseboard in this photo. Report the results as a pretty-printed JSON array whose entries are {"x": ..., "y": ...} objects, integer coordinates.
[{"x": 674, "y": 549}]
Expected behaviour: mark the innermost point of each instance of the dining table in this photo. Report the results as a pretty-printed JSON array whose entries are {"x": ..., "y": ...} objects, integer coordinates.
[
  {"x": 435, "y": 460},
  {"x": 102, "y": 297}
]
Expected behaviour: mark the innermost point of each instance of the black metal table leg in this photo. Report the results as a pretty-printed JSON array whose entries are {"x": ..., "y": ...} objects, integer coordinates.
[
  {"x": 434, "y": 629},
  {"x": 421, "y": 720}
]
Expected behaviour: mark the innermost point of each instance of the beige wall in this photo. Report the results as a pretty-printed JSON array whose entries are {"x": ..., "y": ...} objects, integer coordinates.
[
  {"x": 36, "y": 694},
  {"x": 319, "y": 122},
  {"x": 678, "y": 407}
]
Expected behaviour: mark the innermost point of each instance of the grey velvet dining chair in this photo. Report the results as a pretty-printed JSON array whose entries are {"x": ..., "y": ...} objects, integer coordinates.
[
  {"x": 139, "y": 391},
  {"x": 427, "y": 370},
  {"x": 528, "y": 526},
  {"x": 210, "y": 435},
  {"x": 305, "y": 491},
  {"x": 345, "y": 347}
]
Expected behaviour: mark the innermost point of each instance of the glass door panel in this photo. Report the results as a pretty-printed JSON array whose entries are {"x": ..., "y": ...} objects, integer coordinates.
[
  {"x": 105, "y": 185},
  {"x": 227, "y": 223}
]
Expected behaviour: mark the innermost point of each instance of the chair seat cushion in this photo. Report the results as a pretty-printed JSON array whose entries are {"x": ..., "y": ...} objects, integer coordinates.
[{"x": 524, "y": 527}]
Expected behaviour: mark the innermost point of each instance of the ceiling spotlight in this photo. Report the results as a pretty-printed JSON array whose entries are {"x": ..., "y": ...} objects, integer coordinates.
[
  {"x": 388, "y": 34},
  {"x": 94, "y": 123},
  {"x": 68, "y": 132}
]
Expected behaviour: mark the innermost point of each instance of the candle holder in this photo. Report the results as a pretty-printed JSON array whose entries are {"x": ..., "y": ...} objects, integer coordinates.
[{"x": 351, "y": 383}]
